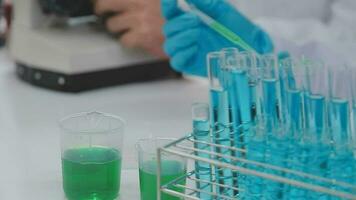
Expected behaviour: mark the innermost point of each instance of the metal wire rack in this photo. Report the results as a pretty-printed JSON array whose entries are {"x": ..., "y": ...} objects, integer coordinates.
[{"x": 185, "y": 186}]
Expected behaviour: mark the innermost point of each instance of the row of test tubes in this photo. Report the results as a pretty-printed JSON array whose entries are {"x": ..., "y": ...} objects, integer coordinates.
[{"x": 291, "y": 113}]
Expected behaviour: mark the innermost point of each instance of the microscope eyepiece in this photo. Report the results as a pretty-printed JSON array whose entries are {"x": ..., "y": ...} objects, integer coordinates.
[{"x": 68, "y": 8}]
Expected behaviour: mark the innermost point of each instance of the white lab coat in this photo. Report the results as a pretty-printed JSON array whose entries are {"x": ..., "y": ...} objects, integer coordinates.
[
  {"x": 318, "y": 9},
  {"x": 319, "y": 29}
]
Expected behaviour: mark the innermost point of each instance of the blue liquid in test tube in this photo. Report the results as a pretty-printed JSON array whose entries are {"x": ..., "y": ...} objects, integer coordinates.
[
  {"x": 292, "y": 77},
  {"x": 228, "y": 60},
  {"x": 317, "y": 138},
  {"x": 220, "y": 121},
  {"x": 294, "y": 111},
  {"x": 201, "y": 133},
  {"x": 269, "y": 103},
  {"x": 317, "y": 135},
  {"x": 315, "y": 111},
  {"x": 341, "y": 162},
  {"x": 240, "y": 85},
  {"x": 273, "y": 119}
]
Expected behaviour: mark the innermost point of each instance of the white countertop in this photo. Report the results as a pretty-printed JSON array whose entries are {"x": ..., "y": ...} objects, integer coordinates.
[{"x": 29, "y": 135}]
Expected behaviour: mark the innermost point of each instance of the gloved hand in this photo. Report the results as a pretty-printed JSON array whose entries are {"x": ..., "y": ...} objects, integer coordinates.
[{"x": 188, "y": 39}]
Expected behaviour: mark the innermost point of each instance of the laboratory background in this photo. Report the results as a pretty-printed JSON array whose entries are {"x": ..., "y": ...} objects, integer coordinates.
[{"x": 243, "y": 99}]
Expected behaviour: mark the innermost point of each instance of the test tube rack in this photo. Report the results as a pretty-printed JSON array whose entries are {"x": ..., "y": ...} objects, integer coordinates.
[{"x": 184, "y": 147}]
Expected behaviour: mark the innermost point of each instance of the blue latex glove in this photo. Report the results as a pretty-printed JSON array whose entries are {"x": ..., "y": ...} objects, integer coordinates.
[{"x": 189, "y": 40}]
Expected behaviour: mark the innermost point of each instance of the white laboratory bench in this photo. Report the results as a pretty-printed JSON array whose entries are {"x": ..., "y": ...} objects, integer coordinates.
[{"x": 30, "y": 166}]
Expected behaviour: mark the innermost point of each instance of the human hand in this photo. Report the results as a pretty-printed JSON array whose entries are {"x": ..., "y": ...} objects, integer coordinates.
[
  {"x": 189, "y": 40},
  {"x": 139, "y": 23}
]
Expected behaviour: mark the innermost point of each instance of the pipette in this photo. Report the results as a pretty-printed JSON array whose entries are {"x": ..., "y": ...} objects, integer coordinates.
[{"x": 219, "y": 28}]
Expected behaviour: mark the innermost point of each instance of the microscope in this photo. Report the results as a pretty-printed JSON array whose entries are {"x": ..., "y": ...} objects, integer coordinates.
[{"x": 62, "y": 45}]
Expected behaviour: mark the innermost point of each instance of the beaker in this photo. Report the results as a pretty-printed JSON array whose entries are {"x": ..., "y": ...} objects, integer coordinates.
[
  {"x": 91, "y": 148},
  {"x": 172, "y": 168}
]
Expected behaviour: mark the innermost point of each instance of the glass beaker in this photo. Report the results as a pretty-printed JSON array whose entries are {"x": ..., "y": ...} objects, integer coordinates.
[
  {"x": 91, "y": 146},
  {"x": 172, "y": 167}
]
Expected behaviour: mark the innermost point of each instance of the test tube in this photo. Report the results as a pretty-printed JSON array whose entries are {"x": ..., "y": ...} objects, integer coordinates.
[
  {"x": 228, "y": 57},
  {"x": 339, "y": 106},
  {"x": 317, "y": 86},
  {"x": 243, "y": 81},
  {"x": 282, "y": 58},
  {"x": 201, "y": 133},
  {"x": 316, "y": 138},
  {"x": 240, "y": 79},
  {"x": 353, "y": 87},
  {"x": 271, "y": 118},
  {"x": 220, "y": 119},
  {"x": 293, "y": 75},
  {"x": 353, "y": 92},
  {"x": 237, "y": 64},
  {"x": 269, "y": 94},
  {"x": 341, "y": 161},
  {"x": 253, "y": 78}
]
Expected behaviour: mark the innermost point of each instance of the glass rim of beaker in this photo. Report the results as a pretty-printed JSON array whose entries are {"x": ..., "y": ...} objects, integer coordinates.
[
  {"x": 139, "y": 149},
  {"x": 121, "y": 121}
]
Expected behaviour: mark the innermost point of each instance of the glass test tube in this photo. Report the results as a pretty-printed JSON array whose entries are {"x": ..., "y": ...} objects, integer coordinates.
[
  {"x": 228, "y": 57},
  {"x": 201, "y": 133},
  {"x": 282, "y": 58},
  {"x": 353, "y": 87},
  {"x": 236, "y": 64},
  {"x": 240, "y": 79},
  {"x": 339, "y": 106},
  {"x": 271, "y": 119},
  {"x": 316, "y": 135},
  {"x": 341, "y": 161},
  {"x": 269, "y": 94},
  {"x": 317, "y": 86},
  {"x": 293, "y": 74},
  {"x": 220, "y": 120}
]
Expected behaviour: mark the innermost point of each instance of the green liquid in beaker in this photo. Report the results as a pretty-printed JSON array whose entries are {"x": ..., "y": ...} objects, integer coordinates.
[
  {"x": 171, "y": 170},
  {"x": 91, "y": 173}
]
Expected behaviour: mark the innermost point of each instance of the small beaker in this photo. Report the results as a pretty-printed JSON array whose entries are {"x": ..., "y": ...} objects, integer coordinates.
[
  {"x": 91, "y": 144},
  {"x": 172, "y": 168}
]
